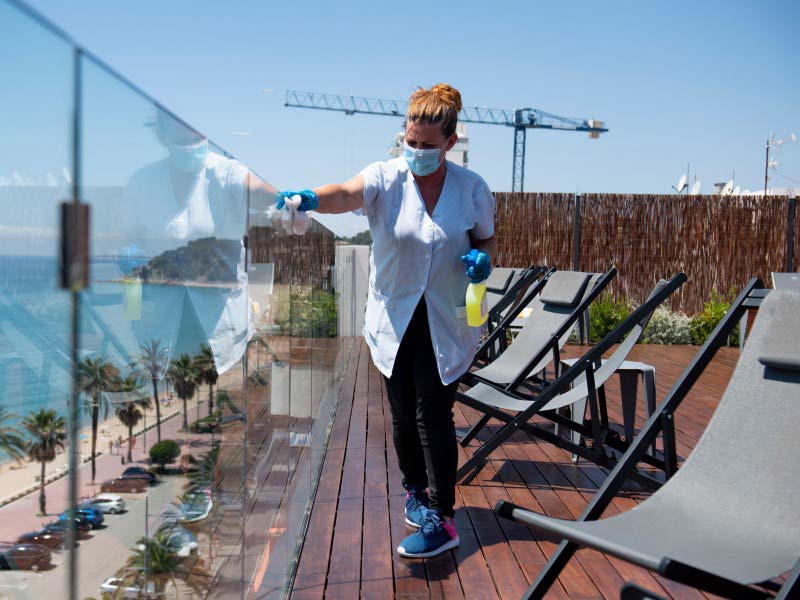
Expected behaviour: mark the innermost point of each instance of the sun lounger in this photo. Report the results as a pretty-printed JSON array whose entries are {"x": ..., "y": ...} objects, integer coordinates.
[
  {"x": 557, "y": 302},
  {"x": 727, "y": 521},
  {"x": 581, "y": 383}
]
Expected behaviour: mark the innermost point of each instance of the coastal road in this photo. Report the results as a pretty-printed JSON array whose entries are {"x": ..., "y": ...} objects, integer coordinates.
[
  {"x": 100, "y": 556},
  {"x": 108, "y": 549}
]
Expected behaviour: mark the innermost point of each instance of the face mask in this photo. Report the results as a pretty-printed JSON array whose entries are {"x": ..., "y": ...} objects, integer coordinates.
[
  {"x": 189, "y": 158},
  {"x": 422, "y": 162}
]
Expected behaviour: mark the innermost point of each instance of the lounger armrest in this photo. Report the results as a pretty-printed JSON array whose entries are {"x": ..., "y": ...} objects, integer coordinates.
[
  {"x": 705, "y": 580},
  {"x": 631, "y": 591}
]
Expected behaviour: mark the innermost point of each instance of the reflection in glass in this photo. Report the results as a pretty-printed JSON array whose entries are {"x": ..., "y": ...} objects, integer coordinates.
[
  {"x": 208, "y": 355},
  {"x": 35, "y": 349}
]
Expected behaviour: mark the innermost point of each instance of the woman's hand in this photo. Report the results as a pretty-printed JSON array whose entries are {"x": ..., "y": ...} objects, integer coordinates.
[
  {"x": 309, "y": 200},
  {"x": 478, "y": 265}
]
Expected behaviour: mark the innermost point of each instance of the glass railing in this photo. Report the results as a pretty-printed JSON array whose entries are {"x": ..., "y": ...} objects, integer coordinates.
[{"x": 180, "y": 403}]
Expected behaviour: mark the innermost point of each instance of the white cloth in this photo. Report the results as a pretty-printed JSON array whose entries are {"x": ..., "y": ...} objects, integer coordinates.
[{"x": 415, "y": 254}]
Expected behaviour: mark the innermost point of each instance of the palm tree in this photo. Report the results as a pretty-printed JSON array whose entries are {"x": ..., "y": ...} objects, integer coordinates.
[
  {"x": 48, "y": 433},
  {"x": 202, "y": 476},
  {"x": 184, "y": 376},
  {"x": 208, "y": 372},
  {"x": 130, "y": 410},
  {"x": 13, "y": 444},
  {"x": 95, "y": 376},
  {"x": 153, "y": 562},
  {"x": 154, "y": 361},
  {"x": 158, "y": 564}
]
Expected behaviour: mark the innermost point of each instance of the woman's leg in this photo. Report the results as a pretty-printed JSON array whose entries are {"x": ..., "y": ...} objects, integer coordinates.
[
  {"x": 402, "y": 395},
  {"x": 434, "y": 420}
]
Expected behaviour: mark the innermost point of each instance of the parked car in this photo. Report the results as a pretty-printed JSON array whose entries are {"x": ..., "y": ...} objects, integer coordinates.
[
  {"x": 119, "y": 589},
  {"x": 175, "y": 539},
  {"x": 133, "y": 472},
  {"x": 93, "y": 516},
  {"x": 62, "y": 525},
  {"x": 196, "y": 506},
  {"x": 105, "y": 503},
  {"x": 49, "y": 538},
  {"x": 124, "y": 485},
  {"x": 25, "y": 556}
]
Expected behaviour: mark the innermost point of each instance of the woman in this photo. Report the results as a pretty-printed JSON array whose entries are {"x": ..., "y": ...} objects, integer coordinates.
[{"x": 425, "y": 214}]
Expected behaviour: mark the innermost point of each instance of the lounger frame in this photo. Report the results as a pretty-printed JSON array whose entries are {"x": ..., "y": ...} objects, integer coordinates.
[
  {"x": 750, "y": 297},
  {"x": 599, "y": 431}
]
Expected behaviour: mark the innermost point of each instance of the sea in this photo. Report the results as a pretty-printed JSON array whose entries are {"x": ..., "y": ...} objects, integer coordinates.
[{"x": 116, "y": 318}]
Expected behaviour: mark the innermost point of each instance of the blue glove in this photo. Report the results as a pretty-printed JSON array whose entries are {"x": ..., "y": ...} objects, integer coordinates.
[
  {"x": 310, "y": 200},
  {"x": 478, "y": 264}
]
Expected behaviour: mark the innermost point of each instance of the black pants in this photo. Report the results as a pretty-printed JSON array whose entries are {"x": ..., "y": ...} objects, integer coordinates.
[{"x": 422, "y": 416}]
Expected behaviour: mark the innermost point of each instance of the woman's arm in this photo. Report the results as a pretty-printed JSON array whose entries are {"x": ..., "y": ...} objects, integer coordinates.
[
  {"x": 489, "y": 245},
  {"x": 339, "y": 198}
]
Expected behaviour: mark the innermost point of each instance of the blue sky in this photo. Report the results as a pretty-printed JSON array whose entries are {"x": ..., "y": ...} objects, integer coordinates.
[{"x": 676, "y": 82}]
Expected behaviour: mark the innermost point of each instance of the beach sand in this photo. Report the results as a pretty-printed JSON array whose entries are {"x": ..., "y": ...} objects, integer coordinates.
[{"x": 16, "y": 477}]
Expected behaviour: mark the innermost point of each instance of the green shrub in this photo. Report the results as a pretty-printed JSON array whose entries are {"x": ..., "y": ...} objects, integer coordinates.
[
  {"x": 165, "y": 452},
  {"x": 701, "y": 325},
  {"x": 308, "y": 314},
  {"x": 667, "y": 327},
  {"x": 606, "y": 313}
]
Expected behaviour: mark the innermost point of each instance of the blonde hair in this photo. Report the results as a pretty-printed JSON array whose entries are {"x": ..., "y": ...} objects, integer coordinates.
[{"x": 438, "y": 105}]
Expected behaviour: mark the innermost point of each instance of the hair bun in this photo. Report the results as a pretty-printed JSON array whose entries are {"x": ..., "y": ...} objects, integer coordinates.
[{"x": 448, "y": 94}]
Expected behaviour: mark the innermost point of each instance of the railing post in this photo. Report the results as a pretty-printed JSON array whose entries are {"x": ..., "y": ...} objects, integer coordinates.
[
  {"x": 583, "y": 321},
  {"x": 576, "y": 235},
  {"x": 790, "y": 235}
]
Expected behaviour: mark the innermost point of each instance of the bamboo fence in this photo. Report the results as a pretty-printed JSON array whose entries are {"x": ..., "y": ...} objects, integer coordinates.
[
  {"x": 303, "y": 260},
  {"x": 719, "y": 242}
]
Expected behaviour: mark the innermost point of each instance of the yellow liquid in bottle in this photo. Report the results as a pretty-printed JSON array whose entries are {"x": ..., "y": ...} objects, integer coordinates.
[
  {"x": 477, "y": 309},
  {"x": 132, "y": 302}
]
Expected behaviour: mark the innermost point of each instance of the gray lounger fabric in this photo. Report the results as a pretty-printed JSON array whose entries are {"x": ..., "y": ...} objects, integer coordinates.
[
  {"x": 732, "y": 508},
  {"x": 544, "y": 320},
  {"x": 564, "y": 288},
  {"x": 781, "y": 348},
  {"x": 500, "y": 278}
]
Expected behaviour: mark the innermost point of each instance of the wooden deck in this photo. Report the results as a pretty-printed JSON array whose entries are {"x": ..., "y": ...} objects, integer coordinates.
[{"x": 357, "y": 517}]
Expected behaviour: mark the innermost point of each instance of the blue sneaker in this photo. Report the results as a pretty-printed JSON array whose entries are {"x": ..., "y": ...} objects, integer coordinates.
[
  {"x": 416, "y": 506},
  {"x": 436, "y": 535}
]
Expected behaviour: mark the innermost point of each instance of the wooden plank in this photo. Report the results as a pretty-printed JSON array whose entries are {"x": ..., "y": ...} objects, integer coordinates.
[
  {"x": 377, "y": 580},
  {"x": 538, "y": 496},
  {"x": 376, "y": 557},
  {"x": 505, "y": 571},
  {"x": 312, "y": 572},
  {"x": 344, "y": 574},
  {"x": 476, "y": 580},
  {"x": 312, "y": 569}
]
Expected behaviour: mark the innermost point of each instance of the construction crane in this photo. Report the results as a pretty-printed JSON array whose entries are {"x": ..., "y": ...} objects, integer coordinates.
[{"x": 521, "y": 119}]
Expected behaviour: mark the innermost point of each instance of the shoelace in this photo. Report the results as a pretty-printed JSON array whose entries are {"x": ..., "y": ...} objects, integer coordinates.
[
  {"x": 414, "y": 502},
  {"x": 431, "y": 524}
]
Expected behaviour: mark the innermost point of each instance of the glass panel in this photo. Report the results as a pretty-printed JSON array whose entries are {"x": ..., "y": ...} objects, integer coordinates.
[
  {"x": 165, "y": 316},
  {"x": 35, "y": 344},
  {"x": 207, "y": 371}
]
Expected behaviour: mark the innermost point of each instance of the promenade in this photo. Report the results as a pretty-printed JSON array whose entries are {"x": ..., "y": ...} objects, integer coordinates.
[{"x": 21, "y": 515}]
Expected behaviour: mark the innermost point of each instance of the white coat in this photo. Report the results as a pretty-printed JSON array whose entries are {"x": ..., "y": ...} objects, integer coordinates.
[{"x": 414, "y": 253}]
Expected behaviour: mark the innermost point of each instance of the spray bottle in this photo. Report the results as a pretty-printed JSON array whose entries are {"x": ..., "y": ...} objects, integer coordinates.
[{"x": 477, "y": 307}]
